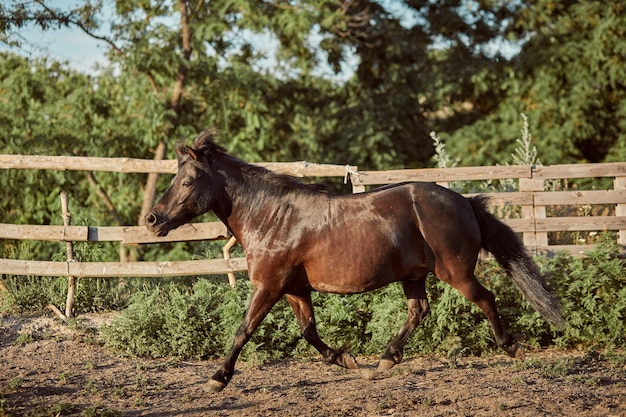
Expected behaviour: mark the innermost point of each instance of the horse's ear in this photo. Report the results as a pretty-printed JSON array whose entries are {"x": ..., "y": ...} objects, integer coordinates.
[{"x": 193, "y": 153}]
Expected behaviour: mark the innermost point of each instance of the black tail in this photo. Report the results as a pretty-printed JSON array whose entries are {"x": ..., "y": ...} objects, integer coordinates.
[{"x": 500, "y": 240}]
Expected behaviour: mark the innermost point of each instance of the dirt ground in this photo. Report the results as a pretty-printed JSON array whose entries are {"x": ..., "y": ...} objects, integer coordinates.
[{"x": 48, "y": 369}]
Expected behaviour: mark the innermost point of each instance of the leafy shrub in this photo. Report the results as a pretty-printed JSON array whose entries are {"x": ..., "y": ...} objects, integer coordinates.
[
  {"x": 171, "y": 322},
  {"x": 31, "y": 295},
  {"x": 593, "y": 290}
]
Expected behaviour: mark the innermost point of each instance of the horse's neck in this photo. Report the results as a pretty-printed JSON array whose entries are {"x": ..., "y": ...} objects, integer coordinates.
[{"x": 247, "y": 202}]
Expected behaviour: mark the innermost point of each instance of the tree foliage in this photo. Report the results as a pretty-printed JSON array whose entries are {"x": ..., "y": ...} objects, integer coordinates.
[
  {"x": 462, "y": 67},
  {"x": 568, "y": 78}
]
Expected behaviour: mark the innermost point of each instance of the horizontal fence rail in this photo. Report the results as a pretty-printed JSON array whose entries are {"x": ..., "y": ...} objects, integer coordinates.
[
  {"x": 610, "y": 169},
  {"x": 363, "y": 178},
  {"x": 530, "y": 197},
  {"x": 170, "y": 166},
  {"x": 129, "y": 235},
  {"x": 123, "y": 269}
]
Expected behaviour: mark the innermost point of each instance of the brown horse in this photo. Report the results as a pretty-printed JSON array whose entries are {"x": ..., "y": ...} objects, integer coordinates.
[{"x": 298, "y": 239}]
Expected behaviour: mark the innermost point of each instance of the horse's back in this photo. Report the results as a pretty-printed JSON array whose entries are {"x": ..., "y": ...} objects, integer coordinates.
[{"x": 386, "y": 235}]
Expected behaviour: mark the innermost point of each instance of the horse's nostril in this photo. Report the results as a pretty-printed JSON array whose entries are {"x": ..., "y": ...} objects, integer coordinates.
[{"x": 151, "y": 219}]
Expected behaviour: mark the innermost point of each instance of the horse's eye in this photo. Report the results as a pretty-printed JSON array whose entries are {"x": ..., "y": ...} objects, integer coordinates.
[{"x": 187, "y": 184}]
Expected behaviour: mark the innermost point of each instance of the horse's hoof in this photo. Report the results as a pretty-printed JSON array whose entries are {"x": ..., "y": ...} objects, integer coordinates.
[
  {"x": 216, "y": 386},
  {"x": 520, "y": 352},
  {"x": 386, "y": 364},
  {"x": 348, "y": 361},
  {"x": 516, "y": 350},
  {"x": 368, "y": 373}
]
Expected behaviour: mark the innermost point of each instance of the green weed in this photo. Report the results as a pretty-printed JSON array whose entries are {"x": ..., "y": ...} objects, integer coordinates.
[
  {"x": 551, "y": 369},
  {"x": 15, "y": 384},
  {"x": 66, "y": 378},
  {"x": 91, "y": 387},
  {"x": 592, "y": 381},
  {"x": 557, "y": 369},
  {"x": 24, "y": 339},
  {"x": 54, "y": 410},
  {"x": 99, "y": 411},
  {"x": 427, "y": 402}
]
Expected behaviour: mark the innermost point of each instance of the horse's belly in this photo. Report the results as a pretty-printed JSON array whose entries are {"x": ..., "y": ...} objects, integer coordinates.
[
  {"x": 348, "y": 287},
  {"x": 365, "y": 272},
  {"x": 365, "y": 249}
]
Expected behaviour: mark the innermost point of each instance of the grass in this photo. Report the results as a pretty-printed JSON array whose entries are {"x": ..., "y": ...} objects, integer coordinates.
[
  {"x": 15, "y": 384},
  {"x": 591, "y": 381},
  {"x": 24, "y": 339},
  {"x": 66, "y": 378},
  {"x": 99, "y": 411},
  {"x": 91, "y": 387},
  {"x": 53, "y": 410},
  {"x": 551, "y": 369},
  {"x": 593, "y": 369}
]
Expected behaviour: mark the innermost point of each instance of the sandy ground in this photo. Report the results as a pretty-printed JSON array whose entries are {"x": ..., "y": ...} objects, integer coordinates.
[{"x": 47, "y": 369}]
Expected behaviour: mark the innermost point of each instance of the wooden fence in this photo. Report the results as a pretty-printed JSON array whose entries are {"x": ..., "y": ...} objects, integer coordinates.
[{"x": 530, "y": 198}]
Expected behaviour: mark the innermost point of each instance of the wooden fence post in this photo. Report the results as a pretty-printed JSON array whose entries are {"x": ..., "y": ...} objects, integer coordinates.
[
  {"x": 533, "y": 240},
  {"x": 620, "y": 208},
  {"x": 232, "y": 280},
  {"x": 71, "y": 284},
  {"x": 352, "y": 174},
  {"x": 69, "y": 246}
]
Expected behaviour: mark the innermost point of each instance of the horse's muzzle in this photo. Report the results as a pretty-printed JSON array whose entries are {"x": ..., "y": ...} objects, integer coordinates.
[{"x": 155, "y": 223}]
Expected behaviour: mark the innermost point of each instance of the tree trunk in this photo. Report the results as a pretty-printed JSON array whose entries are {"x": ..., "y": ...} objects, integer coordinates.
[{"x": 150, "y": 190}]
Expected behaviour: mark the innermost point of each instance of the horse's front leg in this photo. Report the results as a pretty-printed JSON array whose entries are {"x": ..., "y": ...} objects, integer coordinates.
[
  {"x": 303, "y": 308},
  {"x": 261, "y": 302}
]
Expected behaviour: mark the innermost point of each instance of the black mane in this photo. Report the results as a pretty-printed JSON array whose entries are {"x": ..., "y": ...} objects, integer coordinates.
[
  {"x": 280, "y": 180},
  {"x": 205, "y": 144}
]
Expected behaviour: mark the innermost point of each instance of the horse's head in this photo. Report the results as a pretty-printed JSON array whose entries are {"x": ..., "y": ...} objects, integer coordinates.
[{"x": 191, "y": 192}]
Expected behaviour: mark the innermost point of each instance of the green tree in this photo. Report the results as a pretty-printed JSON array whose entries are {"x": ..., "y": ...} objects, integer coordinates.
[
  {"x": 53, "y": 110},
  {"x": 568, "y": 78},
  {"x": 178, "y": 69}
]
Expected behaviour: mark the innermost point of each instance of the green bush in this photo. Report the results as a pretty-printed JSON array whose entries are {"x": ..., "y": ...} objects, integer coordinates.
[
  {"x": 173, "y": 322},
  {"x": 593, "y": 290},
  {"x": 31, "y": 295}
]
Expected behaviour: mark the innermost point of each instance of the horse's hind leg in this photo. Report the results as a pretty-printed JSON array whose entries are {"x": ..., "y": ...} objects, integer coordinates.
[
  {"x": 415, "y": 291},
  {"x": 303, "y": 308},
  {"x": 466, "y": 282}
]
